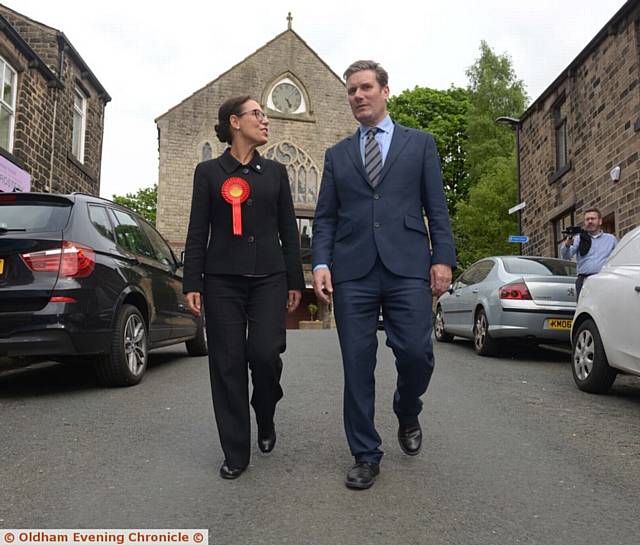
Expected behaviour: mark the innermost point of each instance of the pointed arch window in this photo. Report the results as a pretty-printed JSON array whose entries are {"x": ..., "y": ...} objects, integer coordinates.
[
  {"x": 207, "y": 152},
  {"x": 304, "y": 175}
]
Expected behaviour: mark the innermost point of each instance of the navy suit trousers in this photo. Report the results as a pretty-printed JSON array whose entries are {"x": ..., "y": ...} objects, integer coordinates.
[{"x": 406, "y": 309}]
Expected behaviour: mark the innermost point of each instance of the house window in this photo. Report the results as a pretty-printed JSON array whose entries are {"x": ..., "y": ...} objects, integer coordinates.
[
  {"x": 79, "y": 124},
  {"x": 609, "y": 223},
  {"x": 8, "y": 85},
  {"x": 560, "y": 123},
  {"x": 559, "y": 225},
  {"x": 206, "y": 152}
]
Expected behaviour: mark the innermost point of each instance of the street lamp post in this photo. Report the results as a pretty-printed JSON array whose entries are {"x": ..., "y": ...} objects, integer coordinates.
[{"x": 514, "y": 123}]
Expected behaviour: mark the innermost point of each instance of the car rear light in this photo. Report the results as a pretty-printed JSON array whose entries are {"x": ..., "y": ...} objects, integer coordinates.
[
  {"x": 7, "y": 198},
  {"x": 60, "y": 299},
  {"x": 72, "y": 260},
  {"x": 515, "y": 290}
]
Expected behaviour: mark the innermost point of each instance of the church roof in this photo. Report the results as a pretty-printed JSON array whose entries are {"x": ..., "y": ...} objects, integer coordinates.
[{"x": 265, "y": 46}]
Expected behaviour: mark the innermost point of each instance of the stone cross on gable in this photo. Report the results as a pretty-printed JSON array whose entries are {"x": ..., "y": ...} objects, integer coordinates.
[{"x": 289, "y": 20}]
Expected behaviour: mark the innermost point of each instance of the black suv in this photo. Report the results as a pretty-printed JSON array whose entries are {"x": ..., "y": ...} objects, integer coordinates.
[{"x": 82, "y": 276}]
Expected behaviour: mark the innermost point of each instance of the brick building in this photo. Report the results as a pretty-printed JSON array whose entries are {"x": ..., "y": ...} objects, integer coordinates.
[
  {"x": 51, "y": 110},
  {"x": 586, "y": 123},
  {"x": 308, "y": 112}
]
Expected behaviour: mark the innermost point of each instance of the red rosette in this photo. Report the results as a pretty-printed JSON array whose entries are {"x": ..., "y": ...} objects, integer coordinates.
[{"x": 235, "y": 191}]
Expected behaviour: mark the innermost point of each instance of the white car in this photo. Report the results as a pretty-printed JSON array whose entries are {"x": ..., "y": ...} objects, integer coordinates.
[{"x": 605, "y": 336}]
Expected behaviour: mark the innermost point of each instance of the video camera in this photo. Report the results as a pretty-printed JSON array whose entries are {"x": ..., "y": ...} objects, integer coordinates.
[
  {"x": 573, "y": 230},
  {"x": 585, "y": 239}
]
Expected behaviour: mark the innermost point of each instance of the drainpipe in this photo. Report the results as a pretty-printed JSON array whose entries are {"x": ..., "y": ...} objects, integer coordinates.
[
  {"x": 56, "y": 89},
  {"x": 53, "y": 138}
]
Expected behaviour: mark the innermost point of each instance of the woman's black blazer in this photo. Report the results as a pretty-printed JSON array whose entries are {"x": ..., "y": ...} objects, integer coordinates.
[{"x": 269, "y": 242}]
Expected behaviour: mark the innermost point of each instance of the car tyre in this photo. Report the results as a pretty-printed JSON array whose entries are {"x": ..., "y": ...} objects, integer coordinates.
[
  {"x": 483, "y": 343},
  {"x": 198, "y": 345},
  {"x": 591, "y": 370},
  {"x": 438, "y": 328},
  {"x": 126, "y": 363}
]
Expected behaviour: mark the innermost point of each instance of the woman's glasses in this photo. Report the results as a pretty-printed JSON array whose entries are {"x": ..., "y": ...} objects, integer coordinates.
[{"x": 260, "y": 115}]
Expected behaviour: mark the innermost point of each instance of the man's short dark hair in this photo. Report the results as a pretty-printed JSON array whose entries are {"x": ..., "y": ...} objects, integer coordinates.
[
  {"x": 593, "y": 210},
  {"x": 381, "y": 74}
]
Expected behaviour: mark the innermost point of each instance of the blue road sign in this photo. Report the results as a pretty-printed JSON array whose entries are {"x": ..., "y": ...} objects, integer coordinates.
[{"x": 518, "y": 238}]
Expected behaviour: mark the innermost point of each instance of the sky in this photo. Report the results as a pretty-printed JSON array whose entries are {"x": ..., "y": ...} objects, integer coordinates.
[{"x": 150, "y": 56}]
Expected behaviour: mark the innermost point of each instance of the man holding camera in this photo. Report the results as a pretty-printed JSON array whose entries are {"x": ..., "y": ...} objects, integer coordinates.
[{"x": 592, "y": 246}]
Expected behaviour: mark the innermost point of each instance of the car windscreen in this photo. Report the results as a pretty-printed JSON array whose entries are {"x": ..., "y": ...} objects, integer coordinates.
[
  {"x": 539, "y": 266},
  {"x": 33, "y": 216}
]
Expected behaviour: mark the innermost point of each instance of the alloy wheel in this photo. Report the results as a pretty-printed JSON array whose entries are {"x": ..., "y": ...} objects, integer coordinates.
[
  {"x": 480, "y": 331},
  {"x": 135, "y": 344},
  {"x": 584, "y": 354},
  {"x": 439, "y": 324}
]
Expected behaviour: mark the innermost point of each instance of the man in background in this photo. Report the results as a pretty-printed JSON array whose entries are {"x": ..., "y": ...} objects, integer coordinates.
[{"x": 592, "y": 252}]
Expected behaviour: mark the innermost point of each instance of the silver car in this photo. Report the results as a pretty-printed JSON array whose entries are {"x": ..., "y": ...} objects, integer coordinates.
[{"x": 496, "y": 298}]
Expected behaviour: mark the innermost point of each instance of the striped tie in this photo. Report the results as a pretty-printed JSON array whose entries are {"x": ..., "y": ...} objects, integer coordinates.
[{"x": 372, "y": 157}]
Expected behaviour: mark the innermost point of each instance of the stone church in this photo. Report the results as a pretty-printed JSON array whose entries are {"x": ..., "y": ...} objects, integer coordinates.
[{"x": 308, "y": 111}]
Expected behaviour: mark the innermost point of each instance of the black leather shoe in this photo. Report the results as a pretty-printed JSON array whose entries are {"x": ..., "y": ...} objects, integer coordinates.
[
  {"x": 362, "y": 475},
  {"x": 410, "y": 438},
  {"x": 227, "y": 472},
  {"x": 266, "y": 444}
]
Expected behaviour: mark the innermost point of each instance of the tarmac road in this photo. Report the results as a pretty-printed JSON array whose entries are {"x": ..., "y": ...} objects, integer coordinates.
[{"x": 513, "y": 453}]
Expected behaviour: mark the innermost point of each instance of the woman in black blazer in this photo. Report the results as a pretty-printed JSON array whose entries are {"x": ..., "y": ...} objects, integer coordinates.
[{"x": 242, "y": 263}]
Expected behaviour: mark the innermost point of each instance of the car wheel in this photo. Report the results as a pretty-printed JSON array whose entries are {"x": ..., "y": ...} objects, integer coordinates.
[
  {"x": 438, "y": 328},
  {"x": 483, "y": 344},
  {"x": 591, "y": 371},
  {"x": 126, "y": 364},
  {"x": 198, "y": 345}
]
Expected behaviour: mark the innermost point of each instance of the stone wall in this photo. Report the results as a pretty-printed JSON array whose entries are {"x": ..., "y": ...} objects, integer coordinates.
[
  {"x": 600, "y": 99},
  {"x": 38, "y": 99}
]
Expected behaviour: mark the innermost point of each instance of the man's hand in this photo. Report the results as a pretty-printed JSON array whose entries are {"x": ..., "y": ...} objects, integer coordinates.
[
  {"x": 568, "y": 241},
  {"x": 441, "y": 276},
  {"x": 194, "y": 302},
  {"x": 322, "y": 284},
  {"x": 293, "y": 300}
]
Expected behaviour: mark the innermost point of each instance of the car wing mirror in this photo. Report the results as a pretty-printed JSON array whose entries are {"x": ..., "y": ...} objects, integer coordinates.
[{"x": 450, "y": 289}]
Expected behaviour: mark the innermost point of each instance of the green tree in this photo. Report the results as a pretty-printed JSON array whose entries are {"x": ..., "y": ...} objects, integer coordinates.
[
  {"x": 494, "y": 91},
  {"x": 144, "y": 202},
  {"x": 482, "y": 225},
  {"x": 444, "y": 114}
]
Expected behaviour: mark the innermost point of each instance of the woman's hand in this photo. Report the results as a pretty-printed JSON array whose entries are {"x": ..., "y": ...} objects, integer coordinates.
[
  {"x": 295, "y": 296},
  {"x": 194, "y": 302}
]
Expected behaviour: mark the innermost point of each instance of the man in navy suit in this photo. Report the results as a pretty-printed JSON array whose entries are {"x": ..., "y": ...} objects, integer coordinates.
[{"x": 372, "y": 251}]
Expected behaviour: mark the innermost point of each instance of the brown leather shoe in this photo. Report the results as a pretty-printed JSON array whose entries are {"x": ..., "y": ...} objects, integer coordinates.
[{"x": 362, "y": 475}]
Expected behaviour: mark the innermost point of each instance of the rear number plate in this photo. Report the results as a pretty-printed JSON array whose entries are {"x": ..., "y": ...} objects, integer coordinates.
[{"x": 554, "y": 323}]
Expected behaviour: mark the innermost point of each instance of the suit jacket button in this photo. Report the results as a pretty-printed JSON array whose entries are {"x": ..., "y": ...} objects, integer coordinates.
[
  {"x": 376, "y": 225},
  {"x": 251, "y": 238},
  {"x": 376, "y": 196},
  {"x": 245, "y": 171},
  {"x": 249, "y": 202}
]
